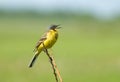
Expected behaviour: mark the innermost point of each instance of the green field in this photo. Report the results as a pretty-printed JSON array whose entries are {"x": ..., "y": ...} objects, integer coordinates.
[{"x": 88, "y": 50}]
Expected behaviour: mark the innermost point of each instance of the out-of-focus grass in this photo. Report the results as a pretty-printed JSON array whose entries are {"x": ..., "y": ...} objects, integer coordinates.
[{"x": 86, "y": 51}]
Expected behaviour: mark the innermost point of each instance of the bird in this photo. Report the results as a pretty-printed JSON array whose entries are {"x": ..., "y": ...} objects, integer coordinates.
[{"x": 48, "y": 39}]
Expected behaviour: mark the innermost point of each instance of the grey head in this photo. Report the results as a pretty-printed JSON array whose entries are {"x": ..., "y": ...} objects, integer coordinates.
[{"x": 53, "y": 27}]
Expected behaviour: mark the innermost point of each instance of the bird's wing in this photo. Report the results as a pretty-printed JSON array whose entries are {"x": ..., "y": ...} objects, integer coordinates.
[{"x": 40, "y": 41}]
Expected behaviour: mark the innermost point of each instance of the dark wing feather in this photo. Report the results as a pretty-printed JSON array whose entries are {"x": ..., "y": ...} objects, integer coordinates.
[{"x": 40, "y": 41}]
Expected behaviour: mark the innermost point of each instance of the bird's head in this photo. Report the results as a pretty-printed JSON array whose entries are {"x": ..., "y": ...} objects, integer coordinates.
[{"x": 54, "y": 27}]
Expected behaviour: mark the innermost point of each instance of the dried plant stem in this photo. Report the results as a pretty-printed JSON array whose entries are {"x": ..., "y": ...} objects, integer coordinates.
[
  {"x": 54, "y": 66},
  {"x": 57, "y": 71}
]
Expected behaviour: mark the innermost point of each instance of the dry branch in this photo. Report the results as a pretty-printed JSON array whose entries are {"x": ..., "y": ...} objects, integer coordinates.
[{"x": 54, "y": 66}]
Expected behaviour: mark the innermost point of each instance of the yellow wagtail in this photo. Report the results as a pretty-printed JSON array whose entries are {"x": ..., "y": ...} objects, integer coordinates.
[{"x": 47, "y": 40}]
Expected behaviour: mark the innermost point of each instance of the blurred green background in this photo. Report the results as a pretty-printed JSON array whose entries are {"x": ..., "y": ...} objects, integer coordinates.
[{"x": 87, "y": 50}]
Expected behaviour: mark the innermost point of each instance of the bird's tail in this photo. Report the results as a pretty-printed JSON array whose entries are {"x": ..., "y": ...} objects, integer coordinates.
[{"x": 33, "y": 59}]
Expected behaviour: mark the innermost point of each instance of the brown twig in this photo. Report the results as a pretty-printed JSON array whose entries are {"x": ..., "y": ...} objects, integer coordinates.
[
  {"x": 54, "y": 66},
  {"x": 57, "y": 71}
]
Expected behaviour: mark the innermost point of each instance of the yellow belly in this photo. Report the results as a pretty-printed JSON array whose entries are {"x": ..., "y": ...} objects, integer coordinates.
[{"x": 50, "y": 41}]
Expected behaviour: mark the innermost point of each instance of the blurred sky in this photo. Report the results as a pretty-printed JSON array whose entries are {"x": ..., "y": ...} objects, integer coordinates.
[{"x": 104, "y": 8}]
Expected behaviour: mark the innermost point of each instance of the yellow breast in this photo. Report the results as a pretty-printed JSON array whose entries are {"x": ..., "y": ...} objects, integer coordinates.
[{"x": 52, "y": 36}]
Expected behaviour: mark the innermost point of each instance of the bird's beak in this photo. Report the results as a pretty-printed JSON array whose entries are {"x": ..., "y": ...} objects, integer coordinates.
[{"x": 58, "y": 27}]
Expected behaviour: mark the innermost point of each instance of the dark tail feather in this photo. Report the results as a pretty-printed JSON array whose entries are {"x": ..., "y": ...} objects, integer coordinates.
[{"x": 33, "y": 60}]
